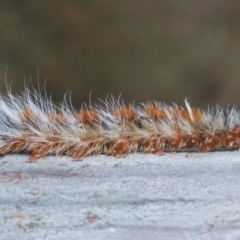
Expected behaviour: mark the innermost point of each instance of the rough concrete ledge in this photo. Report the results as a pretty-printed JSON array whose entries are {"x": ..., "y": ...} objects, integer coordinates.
[{"x": 175, "y": 196}]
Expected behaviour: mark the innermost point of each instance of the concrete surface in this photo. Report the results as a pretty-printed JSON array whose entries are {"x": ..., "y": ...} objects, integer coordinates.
[{"x": 175, "y": 196}]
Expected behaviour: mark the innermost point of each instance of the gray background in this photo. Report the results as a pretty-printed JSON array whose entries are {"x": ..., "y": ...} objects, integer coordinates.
[{"x": 144, "y": 50}]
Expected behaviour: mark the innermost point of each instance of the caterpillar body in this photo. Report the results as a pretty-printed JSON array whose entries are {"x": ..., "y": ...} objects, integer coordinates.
[{"x": 31, "y": 123}]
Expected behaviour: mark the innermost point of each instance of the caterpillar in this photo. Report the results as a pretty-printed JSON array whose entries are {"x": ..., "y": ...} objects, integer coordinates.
[{"x": 31, "y": 123}]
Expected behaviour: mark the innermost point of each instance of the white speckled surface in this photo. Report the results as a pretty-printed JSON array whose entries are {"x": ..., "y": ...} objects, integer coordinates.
[{"x": 175, "y": 196}]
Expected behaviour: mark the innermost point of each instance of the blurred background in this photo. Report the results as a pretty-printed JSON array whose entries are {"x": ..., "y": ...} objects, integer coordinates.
[{"x": 142, "y": 49}]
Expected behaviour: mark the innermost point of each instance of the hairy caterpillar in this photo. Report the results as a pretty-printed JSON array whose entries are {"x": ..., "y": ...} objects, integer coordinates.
[{"x": 31, "y": 123}]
